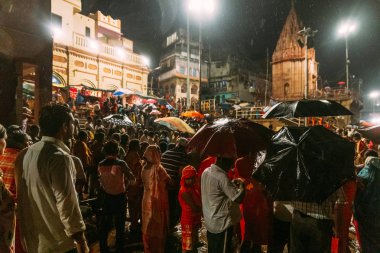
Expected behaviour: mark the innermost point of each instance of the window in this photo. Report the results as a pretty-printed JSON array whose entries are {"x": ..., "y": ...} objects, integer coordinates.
[
  {"x": 182, "y": 70},
  {"x": 88, "y": 32},
  {"x": 195, "y": 72},
  {"x": 183, "y": 88},
  {"x": 56, "y": 20}
]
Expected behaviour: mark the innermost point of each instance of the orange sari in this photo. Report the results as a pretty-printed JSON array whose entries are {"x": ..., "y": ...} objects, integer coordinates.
[{"x": 155, "y": 204}]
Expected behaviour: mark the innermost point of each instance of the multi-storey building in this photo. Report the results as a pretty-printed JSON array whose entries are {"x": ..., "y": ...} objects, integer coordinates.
[
  {"x": 91, "y": 51},
  {"x": 232, "y": 79},
  {"x": 174, "y": 72}
]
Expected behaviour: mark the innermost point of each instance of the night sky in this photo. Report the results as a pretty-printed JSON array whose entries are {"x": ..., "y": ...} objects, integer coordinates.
[{"x": 252, "y": 26}]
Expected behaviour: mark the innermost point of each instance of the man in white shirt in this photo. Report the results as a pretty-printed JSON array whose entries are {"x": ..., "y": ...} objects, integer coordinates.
[
  {"x": 48, "y": 208},
  {"x": 220, "y": 204}
]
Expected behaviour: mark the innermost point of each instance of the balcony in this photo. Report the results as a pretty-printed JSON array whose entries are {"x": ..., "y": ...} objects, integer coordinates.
[
  {"x": 216, "y": 90},
  {"x": 116, "y": 53}
]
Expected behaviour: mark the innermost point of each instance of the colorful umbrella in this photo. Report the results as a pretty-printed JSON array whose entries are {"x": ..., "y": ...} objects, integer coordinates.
[
  {"x": 231, "y": 138},
  {"x": 306, "y": 108},
  {"x": 175, "y": 124},
  {"x": 192, "y": 114},
  {"x": 155, "y": 112}
]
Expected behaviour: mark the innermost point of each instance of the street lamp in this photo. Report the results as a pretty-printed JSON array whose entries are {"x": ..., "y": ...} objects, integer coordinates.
[
  {"x": 199, "y": 8},
  {"x": 374, "y": 96},
  {"x": 152, "y": 72},
  {"x": 345, "y": 29},
  {"x": 306, "y": 33}
]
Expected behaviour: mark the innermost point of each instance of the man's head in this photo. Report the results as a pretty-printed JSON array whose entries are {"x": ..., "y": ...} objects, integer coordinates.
[
  {"x": 225, "y": 163},
  {"x": 34, "y": 130},
  {"x": 111, "y": 148},
  {"x": 182, "y": 142},
  {"x": 56, "y": 121},
  {"x": 18, "y": 139}
]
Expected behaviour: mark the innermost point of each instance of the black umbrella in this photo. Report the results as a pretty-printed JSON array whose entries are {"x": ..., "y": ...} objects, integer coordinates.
[
  {"x": 306, "y": 164},
  {"x": 306, "y": 108},
  {"x": 119, "y": 120}
]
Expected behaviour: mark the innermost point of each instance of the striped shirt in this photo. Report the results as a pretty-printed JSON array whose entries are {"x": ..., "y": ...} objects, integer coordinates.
[
  {"x": 173, "y": 160},
  {"x": 323, "y": 211}
]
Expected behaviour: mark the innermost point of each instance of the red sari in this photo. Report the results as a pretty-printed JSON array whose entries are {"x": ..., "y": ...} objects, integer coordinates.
[
  {"x": 257, "y": 209},
  {"x": 190, "y": 220}
]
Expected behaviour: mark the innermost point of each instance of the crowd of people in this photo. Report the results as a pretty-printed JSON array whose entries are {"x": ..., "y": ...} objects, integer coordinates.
[{"x": 147, "y": 175}]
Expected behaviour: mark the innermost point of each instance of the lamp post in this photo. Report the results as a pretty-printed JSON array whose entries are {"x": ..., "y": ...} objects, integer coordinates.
[
  {"x": 374, "y": 96},
  {"x": 200, "y": 8},
  {"x": 306, "y": 33},
  {"x": 152, "y": 72},
  {"x": 345, "y": 29}
]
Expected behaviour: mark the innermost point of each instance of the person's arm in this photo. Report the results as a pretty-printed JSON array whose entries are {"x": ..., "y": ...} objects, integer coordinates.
[
  {"x": 66, "y": 198},
  {"x": 81, "y": 242},
  {"x": 234, "y": 192},
  {"x": 128, "y": 173},
  {"x": 194, "y": 207}
]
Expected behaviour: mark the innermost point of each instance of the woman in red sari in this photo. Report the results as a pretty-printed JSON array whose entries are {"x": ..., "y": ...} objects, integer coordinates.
[
  {"x": 257, "y": 208},
  {"x": 191, "y": 205},
  {"x": 155, "y": 204}
]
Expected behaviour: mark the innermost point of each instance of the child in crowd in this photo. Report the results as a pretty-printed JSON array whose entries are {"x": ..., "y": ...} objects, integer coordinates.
[{"x": 190, "y": 201}]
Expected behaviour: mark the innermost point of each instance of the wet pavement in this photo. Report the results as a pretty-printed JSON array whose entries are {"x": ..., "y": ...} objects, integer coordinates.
[{"x": 134, "y": 242}]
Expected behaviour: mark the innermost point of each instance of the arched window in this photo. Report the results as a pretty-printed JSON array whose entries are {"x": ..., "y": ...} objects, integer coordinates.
[
  {"x": 183, "y": 88},
  {"x": 286, "y": 89},
  {"x": 194, "y": 89}
]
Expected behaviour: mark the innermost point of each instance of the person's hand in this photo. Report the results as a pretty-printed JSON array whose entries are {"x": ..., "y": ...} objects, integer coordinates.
[
  {"x": 82, "y": 247},
  {"x": 238, "y": 182}
]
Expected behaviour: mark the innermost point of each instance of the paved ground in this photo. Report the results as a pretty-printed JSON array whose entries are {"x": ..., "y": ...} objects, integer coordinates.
[{"x": 174, "y": 241}]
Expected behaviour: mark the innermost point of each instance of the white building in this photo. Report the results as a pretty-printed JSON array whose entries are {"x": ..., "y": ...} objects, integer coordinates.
[{"x": 91, "y": 51}]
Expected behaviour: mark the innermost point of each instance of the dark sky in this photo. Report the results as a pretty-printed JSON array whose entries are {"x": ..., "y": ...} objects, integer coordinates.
[{"x": 252, "y": 26}]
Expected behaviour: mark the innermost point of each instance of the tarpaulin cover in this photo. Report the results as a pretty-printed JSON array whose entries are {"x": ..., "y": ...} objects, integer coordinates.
[{"x": 306, "y": 164}]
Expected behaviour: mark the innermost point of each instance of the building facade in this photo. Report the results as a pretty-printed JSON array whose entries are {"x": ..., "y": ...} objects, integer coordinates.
[
  {"x": 288, "y": 63},
  {"x": 25, "y": 53},
  {"x": 91, "y": 51},
  {"x": 172, "y": 80}
]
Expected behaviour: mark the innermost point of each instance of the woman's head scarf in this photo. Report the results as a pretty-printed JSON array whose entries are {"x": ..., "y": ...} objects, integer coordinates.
[
  {"x": 188, "y": 172},
  {"x": 152, "y": 154}
]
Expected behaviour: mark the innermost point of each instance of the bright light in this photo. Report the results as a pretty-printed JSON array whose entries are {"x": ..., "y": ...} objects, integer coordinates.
[
  {"x": 145, "y": 60},
  {"x": 93, "y": 45},
  {"x": 375, "y": 120},
  {"x": 201, "y": 6},
  {"x": 347, "y": 28},
  {"x": 374, "y": 94},
  {"x": 120, "y": 52},
  {"x": 56, "y": 31}
]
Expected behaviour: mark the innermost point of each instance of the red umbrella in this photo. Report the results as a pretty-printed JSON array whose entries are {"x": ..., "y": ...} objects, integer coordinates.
[
  {"x": 371, "y": 133},
  {"x": 231, "y": 138}
]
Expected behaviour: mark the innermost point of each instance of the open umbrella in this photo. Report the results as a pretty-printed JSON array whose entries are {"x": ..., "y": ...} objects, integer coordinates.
[
  {"x": 231, "y": 138},
  {"x": 155, "y": 112},
  {"x": 175, "y": 124},
  {"x": 371, "y": 133},
  {"x": 192, "y": 114},
  {"x": 306, "y": 108},
  {"x": 306, "y": 164},
  {"x": 119, "y": 120}
]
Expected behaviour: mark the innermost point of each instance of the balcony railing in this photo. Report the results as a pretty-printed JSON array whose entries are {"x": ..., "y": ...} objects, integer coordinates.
[{"x": 106, "y": 50}]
